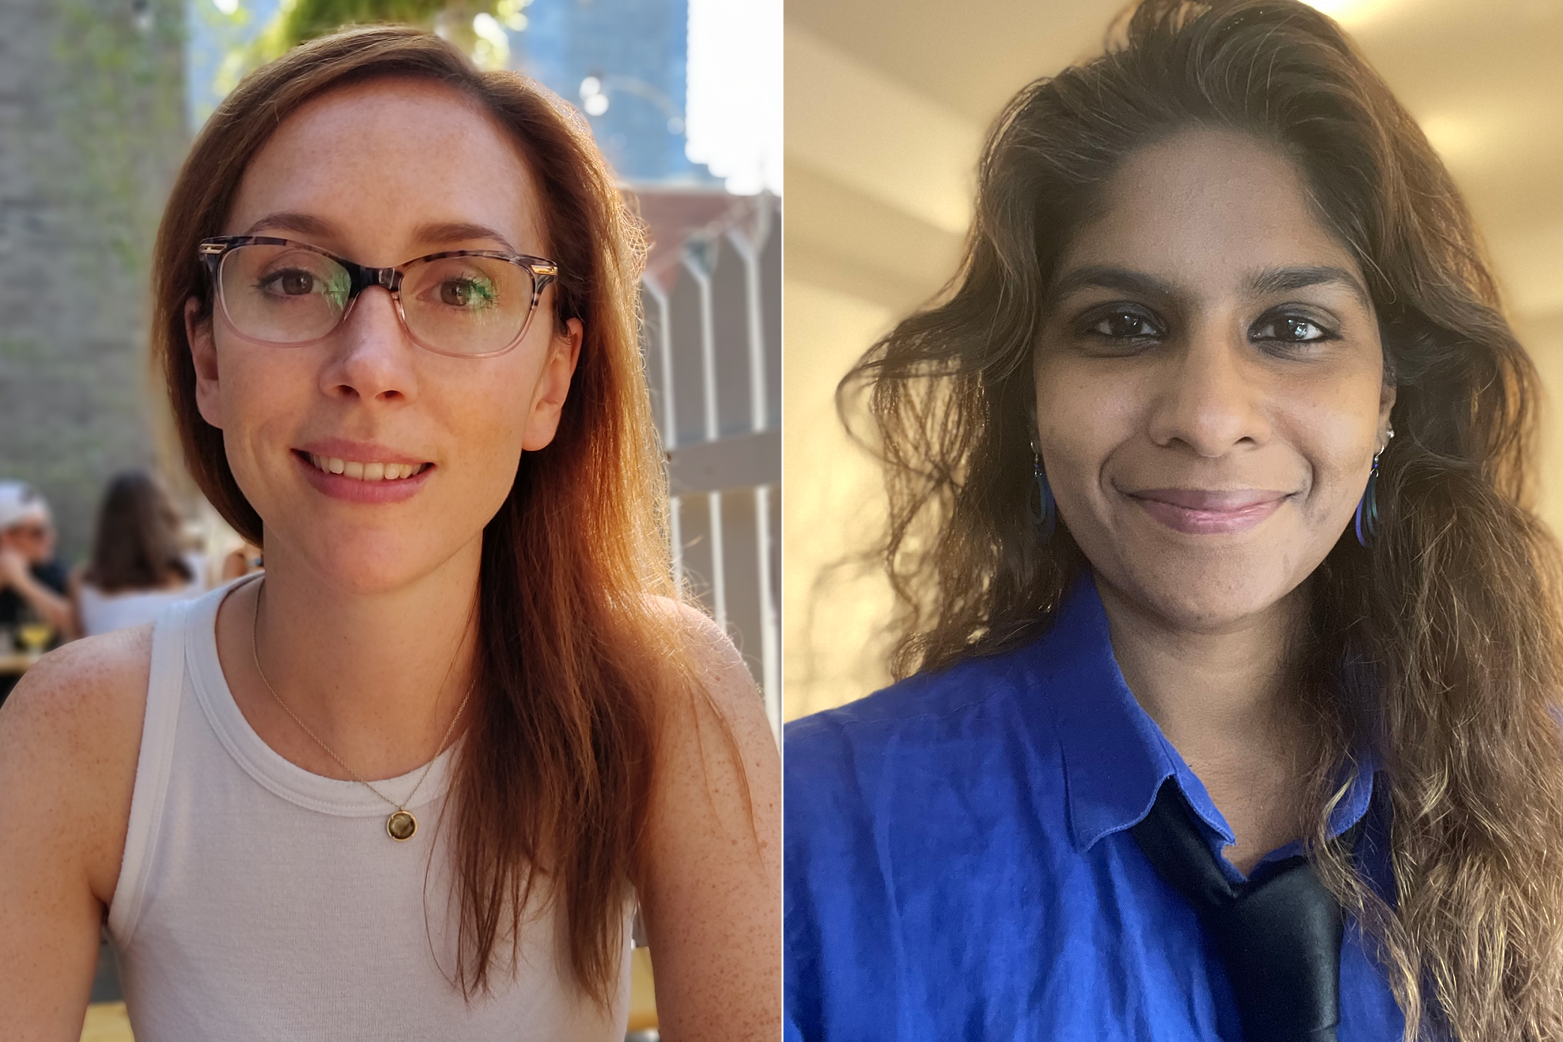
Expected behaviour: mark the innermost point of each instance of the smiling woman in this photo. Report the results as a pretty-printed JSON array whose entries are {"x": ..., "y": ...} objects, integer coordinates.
[
  {"x": 416, "y": 779},
  {"x": 1223, "y": 714}
]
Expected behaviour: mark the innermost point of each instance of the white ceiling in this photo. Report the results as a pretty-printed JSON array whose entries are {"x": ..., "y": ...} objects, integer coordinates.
[{"x": 886, "y": 102}]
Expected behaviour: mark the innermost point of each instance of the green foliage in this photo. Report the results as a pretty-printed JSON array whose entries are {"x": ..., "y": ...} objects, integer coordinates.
[
  {"x": 476, "y": 26},
  {"x": 311, "y": 18}
]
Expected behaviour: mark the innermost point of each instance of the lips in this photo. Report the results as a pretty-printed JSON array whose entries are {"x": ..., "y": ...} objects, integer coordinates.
[
  {"x": 362, "y": 472},
  {"x": 1209, "y": 511}
]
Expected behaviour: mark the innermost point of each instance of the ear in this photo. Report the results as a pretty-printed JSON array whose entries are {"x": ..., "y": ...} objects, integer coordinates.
[
  {"x": 553, "y": 384},
  {"x": 1386, "y": 402},
  {"x": 203, "y": 352}
]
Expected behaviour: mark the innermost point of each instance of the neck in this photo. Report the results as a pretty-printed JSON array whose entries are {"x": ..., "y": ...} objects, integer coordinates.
[
  {"x": 377, "y": 676},
  {"x": 1222, "y": 697},
  {"x": 1226, "y": 684}
]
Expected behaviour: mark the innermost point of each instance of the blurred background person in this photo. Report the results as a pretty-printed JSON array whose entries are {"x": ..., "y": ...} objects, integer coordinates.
[
  {"x": 139, "y": 560},
  {"x": 34, "y": 611}
]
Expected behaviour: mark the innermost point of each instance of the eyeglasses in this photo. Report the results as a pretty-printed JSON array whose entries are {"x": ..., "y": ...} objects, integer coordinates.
[{"x": 469, "y": 303}]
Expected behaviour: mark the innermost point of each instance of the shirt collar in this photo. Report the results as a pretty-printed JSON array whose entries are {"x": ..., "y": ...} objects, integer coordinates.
[{"x": 1115, "y": 757}]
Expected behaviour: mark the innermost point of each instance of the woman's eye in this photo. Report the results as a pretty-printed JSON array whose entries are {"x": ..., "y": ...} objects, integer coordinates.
[
  {"x": 291, "y": 283},
  {"x": 1291, "y": 329},
  {"x": 465, "y": 293},
  {"x": 1124, "y": 325}
]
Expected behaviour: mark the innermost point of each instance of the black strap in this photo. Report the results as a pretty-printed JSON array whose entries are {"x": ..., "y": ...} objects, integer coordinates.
[{"x": 1279, "y": 936}]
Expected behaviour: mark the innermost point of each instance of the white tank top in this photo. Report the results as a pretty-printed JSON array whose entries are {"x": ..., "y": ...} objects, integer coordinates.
[{"x": 258, "y": 901}]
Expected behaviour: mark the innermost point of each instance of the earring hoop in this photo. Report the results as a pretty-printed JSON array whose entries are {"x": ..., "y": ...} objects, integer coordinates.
[
  {"x": 1367, "y": 506},
  {"x": 1042, "y": 509}
]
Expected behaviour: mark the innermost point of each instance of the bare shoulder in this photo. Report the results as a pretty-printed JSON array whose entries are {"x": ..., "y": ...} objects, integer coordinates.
[
  {"x": 715, "y": 737},
  {"x": 83, "y": 692},
  {"x": 70, "y": 735},
  {"x": 719, "y": 669}
]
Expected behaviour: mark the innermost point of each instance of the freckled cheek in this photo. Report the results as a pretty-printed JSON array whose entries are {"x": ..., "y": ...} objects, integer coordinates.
[
  {"x": 487, "y": 423},
  {"x": 265, "y": 399}
]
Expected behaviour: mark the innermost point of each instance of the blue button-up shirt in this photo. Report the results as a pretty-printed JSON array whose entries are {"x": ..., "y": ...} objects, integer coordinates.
[{"x": 957, "y": 865}]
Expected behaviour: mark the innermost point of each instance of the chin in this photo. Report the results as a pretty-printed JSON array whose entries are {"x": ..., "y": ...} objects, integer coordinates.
[{"x": 1210, "y": 594}]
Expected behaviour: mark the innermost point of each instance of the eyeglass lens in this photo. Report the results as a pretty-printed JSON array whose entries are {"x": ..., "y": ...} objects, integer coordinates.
[{"x": 457, "y": 305}]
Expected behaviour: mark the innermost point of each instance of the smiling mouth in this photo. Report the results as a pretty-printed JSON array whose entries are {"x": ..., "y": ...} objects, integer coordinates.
[
  {"x": 361, "y": 470},
  {"x": 1210, "y": 502},
  {"x": 1205, "y": 512}
]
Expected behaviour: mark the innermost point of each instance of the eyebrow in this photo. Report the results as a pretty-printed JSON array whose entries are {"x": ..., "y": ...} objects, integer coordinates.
[
  {"x": 1281, "y": 280},
  {"x": 445, "y": 233},
  {"x": 441, "y": 233},
  {"x": 293, "y": 221},
  {"x": 1269, "y": 280}
]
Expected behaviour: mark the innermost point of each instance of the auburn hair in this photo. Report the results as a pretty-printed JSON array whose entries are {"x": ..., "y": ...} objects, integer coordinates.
[
  {"x": 1438, "y": 649},
  {"x": 550, "y": 790}
]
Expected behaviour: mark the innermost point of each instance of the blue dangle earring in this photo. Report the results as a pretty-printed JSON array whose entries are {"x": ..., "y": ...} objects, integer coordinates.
[
  {"x": 1367, "y": 506},
  {"x": 1044, "y": 513}
]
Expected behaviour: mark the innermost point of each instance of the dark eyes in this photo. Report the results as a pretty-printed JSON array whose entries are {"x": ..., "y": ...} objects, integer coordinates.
[
  {"x": 289, "y": 283},
  {"x": 1132, "y": 327},
  {"x": 1291, "y": 329},
  {"x": 1125, "y": 325}
]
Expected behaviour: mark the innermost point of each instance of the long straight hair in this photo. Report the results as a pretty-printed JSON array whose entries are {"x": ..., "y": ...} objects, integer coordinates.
[
  {"x": 551, "y": 783},
  {"x": 1439, "y": 647}
]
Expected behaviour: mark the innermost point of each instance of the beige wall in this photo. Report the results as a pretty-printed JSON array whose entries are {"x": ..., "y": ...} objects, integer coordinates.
[
  {"x": 836, "y": 604},
  {"x": 886, "y": 103}
]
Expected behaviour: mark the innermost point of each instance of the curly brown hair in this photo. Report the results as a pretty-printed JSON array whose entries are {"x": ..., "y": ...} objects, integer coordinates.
[{"x": 1439, "y": 649}]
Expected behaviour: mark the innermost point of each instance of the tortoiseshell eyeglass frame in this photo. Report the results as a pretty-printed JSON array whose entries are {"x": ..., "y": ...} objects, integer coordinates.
[{"x": 214, "y": 249}]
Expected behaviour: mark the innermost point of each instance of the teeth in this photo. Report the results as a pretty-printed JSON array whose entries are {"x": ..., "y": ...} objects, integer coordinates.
[{"x": 366, "y": 471}]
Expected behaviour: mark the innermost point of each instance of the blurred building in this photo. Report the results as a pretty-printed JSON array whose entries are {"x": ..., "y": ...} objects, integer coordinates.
[
  {"x": 91, "y": 131},
  {"x": 623, "y": 63}
]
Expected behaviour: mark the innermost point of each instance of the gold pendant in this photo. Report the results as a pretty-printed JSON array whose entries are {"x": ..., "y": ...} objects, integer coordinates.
[{"x": 401, "y": 825}]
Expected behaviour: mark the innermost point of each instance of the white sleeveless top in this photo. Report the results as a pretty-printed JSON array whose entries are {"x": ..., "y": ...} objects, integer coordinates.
[
  {"x": 258, "y": 901},
  {"x": 104, "y": 612}
]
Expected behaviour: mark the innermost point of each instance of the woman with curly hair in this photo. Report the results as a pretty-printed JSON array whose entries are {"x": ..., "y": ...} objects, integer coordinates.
[{"x": 1229, "y": 639}]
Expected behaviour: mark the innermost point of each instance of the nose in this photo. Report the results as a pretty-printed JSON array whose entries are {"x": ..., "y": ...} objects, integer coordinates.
[
  {"x": 374, "y": 355},
  {"x": 1210, "y": 397}
]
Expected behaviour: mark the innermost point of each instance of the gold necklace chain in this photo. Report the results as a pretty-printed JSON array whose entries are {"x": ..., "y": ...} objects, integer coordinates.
[{"x": 401, "y": 825}]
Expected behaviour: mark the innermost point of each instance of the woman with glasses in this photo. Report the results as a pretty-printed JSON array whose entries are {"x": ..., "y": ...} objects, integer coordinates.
[
  {"x": 1231, "y": 664},
  {"x": 416, "y": 779}
]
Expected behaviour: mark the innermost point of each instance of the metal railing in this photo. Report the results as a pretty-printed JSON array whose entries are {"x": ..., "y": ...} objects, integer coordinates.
[{"x": 712, "y": 338}]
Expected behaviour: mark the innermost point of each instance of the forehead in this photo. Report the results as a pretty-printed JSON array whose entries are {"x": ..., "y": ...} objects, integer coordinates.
[
  {"x": 381, "y": 159},
  {"x": 1207, "y": 208}
]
